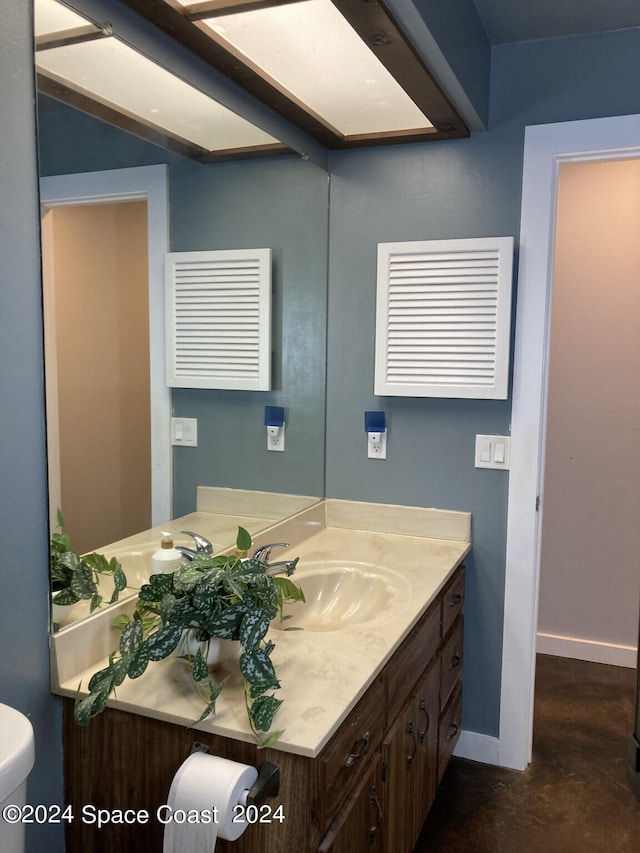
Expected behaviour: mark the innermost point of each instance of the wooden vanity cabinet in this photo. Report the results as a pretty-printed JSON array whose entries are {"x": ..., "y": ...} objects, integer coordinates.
[{"x": 368, "y": 791}]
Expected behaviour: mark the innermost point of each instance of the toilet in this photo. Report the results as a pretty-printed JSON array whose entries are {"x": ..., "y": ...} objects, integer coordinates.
[{"x": 17, "y": 754}]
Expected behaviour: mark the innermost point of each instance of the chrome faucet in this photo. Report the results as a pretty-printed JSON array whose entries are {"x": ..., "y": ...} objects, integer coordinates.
[
  {"x": 203, "y": 546},
  {"x": 282, "y": 566}
]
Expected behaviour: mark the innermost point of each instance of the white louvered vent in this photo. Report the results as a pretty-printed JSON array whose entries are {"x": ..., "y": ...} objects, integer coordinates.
[
  {"x": 219, "y": 319},
  {"x": 443, "y": 318}
]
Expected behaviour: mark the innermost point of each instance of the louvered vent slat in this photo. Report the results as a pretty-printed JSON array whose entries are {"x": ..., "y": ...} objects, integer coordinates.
[
  {"x": 443, "y": 318},
  {"x": 219, "y": 319}
]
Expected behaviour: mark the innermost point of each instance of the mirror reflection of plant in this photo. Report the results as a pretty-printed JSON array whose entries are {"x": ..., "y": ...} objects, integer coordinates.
[
  {"x": 221, "y": 597},
  {"x": 74, "y": 578}
]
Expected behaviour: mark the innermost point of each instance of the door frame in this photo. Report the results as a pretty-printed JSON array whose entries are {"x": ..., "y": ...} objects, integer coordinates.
[
  {"x": 546, "y": 147},
  {"x": 149, "y": 183}
]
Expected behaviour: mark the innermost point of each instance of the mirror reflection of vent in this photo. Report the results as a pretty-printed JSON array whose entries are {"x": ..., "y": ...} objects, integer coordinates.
[
  {"x": 443, "y": 318},
  {"x": 219, "y": 319}
]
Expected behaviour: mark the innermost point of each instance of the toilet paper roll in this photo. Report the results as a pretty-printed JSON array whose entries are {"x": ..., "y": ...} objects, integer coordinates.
[{"x": 203, "y": 803}]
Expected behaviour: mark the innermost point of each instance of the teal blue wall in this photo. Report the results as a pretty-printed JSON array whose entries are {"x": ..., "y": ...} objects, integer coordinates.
[
  {"x": 282, "y": 204},
  {"x": 457, "y": 189},
  {"x": 24, "y": 616}
]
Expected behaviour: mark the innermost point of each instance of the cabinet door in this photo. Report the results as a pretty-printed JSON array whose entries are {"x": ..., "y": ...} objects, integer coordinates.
[
  {"x": 399, "y": 750},
  {"x": 359, "y": 827},
  {"x": 426, "y": 717},
  {"x": 409, "y": 758}
]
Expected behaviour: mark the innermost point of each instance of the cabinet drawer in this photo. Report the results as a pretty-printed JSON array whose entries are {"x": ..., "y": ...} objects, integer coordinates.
[
  {"x": 452, "y": 600},
  {"x": 411, "y": 659},
  {"x": 345, "y": 758},
  {"x": 451, "y": 661},
  {"x": 449, "y": 730}
]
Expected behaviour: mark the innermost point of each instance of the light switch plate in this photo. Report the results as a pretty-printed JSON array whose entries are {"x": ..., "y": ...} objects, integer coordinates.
[
  {"x": 184, "y": 432},
  {"x": 493, "y": 451}
]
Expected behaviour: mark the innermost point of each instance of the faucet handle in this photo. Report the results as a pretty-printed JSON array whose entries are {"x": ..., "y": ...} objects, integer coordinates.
[
  {"x": 203, "y": 546},
  {"x": 263, "y": 554}
]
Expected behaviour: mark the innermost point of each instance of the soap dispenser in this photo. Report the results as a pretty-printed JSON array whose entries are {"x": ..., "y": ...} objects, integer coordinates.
[{"x": 167, "y": 558}]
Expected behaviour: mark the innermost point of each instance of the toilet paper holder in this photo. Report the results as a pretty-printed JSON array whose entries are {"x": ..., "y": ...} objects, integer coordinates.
[{"x": 266, "y": 785}]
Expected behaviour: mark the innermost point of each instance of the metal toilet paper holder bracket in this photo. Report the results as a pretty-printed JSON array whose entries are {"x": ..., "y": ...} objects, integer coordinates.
[{"x": 266, "y": 785}]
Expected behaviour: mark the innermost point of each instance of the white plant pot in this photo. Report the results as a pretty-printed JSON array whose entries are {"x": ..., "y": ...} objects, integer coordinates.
[
  {"x": 215, "y": 651},
  {"x": 59, "y": 612}
]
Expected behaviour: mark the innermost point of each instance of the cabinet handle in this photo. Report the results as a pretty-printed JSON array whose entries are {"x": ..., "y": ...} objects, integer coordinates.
[
  {"x": 361, "y": 749},
  {"x": 455, "y": 599},
  {"x": 427, "y": 722},
  {"x": 412, "y": 735},
  {"x": 455, "y": 661},
  {"x": 373, "y": 831},
  {"x": 453, "y": 731}
]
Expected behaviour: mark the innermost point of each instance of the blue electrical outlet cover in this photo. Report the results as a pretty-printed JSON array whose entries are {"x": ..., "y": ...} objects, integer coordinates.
[
  {"x": 274, "y": 416},
  {"x": 374, "y": 422}
]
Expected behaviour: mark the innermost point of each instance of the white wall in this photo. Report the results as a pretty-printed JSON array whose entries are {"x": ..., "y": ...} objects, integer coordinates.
[{"x": 589, "y": 581}]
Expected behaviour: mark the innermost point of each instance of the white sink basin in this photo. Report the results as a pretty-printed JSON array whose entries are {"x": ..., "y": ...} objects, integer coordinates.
[
  {"x": 17, "y": 751},
  {"x": 339, "y": 594},
  {"x": 135, "y": 562}
]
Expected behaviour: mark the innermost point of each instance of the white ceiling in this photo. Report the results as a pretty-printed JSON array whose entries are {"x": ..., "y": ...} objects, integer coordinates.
[{"x": 525, "y": 20}]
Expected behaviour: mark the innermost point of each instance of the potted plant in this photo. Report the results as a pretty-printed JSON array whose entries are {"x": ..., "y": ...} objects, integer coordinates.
[
  {"x": 74, "y": 577},
  {"x": 223, "y": 597}
]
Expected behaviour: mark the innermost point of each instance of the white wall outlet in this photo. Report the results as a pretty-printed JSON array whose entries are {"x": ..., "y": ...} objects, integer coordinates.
[
  {"x": 493, "y": 451},
  {"x": 184, "y": 432},
  {"x": 275, "y": 438},
  {"x": 377, "y": 445}
]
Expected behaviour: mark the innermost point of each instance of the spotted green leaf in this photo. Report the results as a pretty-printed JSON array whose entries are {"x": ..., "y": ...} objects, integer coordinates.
[
  {"x": 82, "y": 581},
  {"x": 88, "y": 707},
  {"x": 139, "y": 661},
  {"x": 254, "y": 626},
  {"x": 256, "y": 666},
  {"x": 164, "y": 642},
  {"x": 199, "y": 669},
  {"x": 262, "y": 712},
  {"x": 66, "y": 596},
  {"x": 131, "y": 637},
  {"x": 214, "y": 692}
]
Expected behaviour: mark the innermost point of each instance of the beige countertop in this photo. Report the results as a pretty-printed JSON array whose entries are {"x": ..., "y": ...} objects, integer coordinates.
[{"x": 322, "y": 673}]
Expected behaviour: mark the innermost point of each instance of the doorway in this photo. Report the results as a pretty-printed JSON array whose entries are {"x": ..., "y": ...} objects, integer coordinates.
[
  {"x": 589, "y": 584},
  {"x": 97, "y": 356},
  {"x": 546, "y": 147},
  {"x": 146, "y": 185}
]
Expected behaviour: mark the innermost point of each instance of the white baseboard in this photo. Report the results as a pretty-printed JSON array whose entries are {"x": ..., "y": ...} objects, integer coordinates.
[
  {"x": 477, "y": 747},
  {"x": 590, "y": 650}
]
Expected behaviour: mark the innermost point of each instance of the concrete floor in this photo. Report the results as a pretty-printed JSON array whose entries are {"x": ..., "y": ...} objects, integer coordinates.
[{"x": 573, "y": 798}]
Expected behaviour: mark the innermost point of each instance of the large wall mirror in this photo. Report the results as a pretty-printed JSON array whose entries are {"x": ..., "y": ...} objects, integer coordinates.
[{"x": 97, "y": 303}]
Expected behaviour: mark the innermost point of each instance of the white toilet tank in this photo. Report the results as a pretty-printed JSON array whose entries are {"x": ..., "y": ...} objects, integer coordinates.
[{"x": 17, "y": 754}]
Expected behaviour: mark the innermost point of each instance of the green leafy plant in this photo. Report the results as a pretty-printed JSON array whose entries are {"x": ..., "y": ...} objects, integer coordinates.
[
  {"x": 223, "y": 597},
  {"x": 74, "y": 577}
]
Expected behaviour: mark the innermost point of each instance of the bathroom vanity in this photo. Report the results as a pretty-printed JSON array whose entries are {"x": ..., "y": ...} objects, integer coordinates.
[{"x": 371, "y": 710}]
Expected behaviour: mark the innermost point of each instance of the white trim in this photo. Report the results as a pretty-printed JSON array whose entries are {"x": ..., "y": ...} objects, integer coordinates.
[
  {"x": 477, "y": 747},
  {"x": 545, "y": 147},
  {"x": 51, "y": 373},
  {"x": 150, "y": 183},
  {"x": 595, "y": 651}
]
